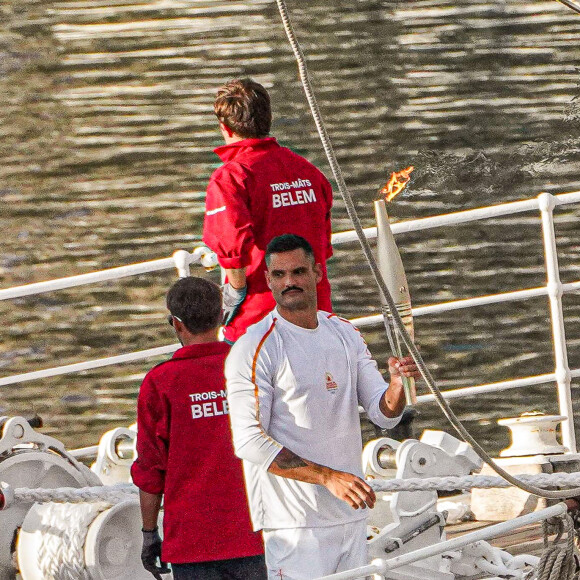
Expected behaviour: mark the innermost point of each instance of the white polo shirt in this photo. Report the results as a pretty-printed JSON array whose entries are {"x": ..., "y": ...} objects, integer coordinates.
[{"x": 293, "y": 387}]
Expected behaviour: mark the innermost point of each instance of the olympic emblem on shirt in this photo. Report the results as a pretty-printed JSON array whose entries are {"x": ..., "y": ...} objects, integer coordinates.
[{"x": 331, "y": 385}]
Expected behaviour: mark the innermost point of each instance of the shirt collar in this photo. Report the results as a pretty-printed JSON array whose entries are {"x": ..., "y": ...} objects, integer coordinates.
[
  {"x": 203, "y": 349},
  {"x": 282, "y": 321},
  {"x": 229, "y": 152}
]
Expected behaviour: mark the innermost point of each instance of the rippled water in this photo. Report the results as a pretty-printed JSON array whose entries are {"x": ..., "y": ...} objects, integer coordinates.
[{"x": 106, "y": 138}]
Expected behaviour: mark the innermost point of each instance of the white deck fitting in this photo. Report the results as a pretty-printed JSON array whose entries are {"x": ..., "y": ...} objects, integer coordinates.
[{"x": 380, "y": 567}]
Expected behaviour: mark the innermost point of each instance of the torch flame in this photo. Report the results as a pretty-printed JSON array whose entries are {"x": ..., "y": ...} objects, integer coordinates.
[{"x": 396, "y": 184}]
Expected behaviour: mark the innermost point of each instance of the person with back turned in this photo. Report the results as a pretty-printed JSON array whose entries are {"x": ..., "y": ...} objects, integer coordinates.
[
  {"x": 261, "y": 191},
  {"x": 294, "y": 383},
  {"x": 185, "y": 453}
]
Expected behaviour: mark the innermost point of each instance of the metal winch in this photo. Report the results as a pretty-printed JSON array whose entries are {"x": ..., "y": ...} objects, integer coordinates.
[
  {"x": 414, "y": 520},
  {"x": 30, "y": 459},
  {"x": 57, "y": 540}
]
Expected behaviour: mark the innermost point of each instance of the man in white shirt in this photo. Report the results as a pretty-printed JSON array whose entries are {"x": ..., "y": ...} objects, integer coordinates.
[{"x": 294, "y": 383}]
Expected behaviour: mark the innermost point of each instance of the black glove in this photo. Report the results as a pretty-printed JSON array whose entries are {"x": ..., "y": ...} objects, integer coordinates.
[
  {"x": 150, "y": 552},
  {"x": 231, "y": 300}
]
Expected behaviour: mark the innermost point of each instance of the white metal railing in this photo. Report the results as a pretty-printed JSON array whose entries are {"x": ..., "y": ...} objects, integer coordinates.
[
  {"x": 382, "y": 567},
  {"x": 180, "y": 260},
  {"x": 460, "y": 217},
  {"x": 554, "y": 289},
  {"x": 469, "y": 303},
  {"x": 90, "y": 364}
]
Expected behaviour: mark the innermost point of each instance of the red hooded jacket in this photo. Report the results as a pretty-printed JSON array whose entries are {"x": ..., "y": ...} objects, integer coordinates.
[
  {"x": 261, "y": 191},
  {"x": 185, "y": 451}
]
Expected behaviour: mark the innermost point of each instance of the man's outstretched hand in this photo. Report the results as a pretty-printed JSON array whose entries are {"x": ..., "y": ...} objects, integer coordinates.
[
  {"x": 393, "y": 401},
  {"x": 403, "y": 367},
  {"x": 351, "y": 489},
  {"x": 151, "y": 552}
]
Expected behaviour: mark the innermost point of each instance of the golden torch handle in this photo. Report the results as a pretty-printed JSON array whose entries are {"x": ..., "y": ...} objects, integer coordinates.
[
  {"x": 395, "y": 344},
  {"x": 410, "y": 390},
  {"x": 408, "y": 382}
]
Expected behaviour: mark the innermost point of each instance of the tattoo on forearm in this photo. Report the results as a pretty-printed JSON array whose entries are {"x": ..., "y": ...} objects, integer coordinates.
[{"x": 288, "y": 460}]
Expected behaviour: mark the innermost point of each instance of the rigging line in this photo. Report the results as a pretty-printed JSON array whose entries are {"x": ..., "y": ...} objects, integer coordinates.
[
  {"x": 571, "y": 4},
  {"x": 352, "y": 213}
]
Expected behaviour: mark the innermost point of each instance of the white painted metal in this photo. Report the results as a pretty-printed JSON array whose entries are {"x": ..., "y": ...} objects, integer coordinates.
[
  {"x": 81, "y": 452},
  {"x": 110, "y": 466},
  {"x": 182, "y": 259},
  {"x": 547, "y": 203},
  {"x": 181, "y": 262},
  {"x": 533, "y": 434},
  {"x": 90, "y": 278},
  {"x": 203, "y": 254},
  {"x": 459, "y": 217},
  {"x": 496, "y": 387},
  {"x": 178, "y": 260},
  {"x": 483, "y": 534},
  {"x": 91, "y": 364},
  {"x": 383, "y": 566},
  {"x": 374, "y": 319},
  {"x": 171, "y": 348},
  {"x": 31, "y": 458},
  {"x": 113, "y": 544},
  {"x": 415, "y": 520}
]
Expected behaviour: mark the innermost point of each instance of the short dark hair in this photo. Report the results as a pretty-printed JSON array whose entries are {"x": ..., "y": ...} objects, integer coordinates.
[
  {"x": 288, "y": 243},
  {"x": 243, "y": 105},
  {"x": 197, "y": 302}
]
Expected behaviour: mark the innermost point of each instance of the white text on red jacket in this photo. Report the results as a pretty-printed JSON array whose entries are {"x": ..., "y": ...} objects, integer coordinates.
[
  {"x": 290, "y": 194},
  {"x": 215, "y": 404}
]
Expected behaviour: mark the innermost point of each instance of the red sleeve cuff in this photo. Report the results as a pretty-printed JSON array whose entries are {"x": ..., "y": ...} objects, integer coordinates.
[
  {"x": 152, "y": 482},
  {"x": 233, "y": 263}
]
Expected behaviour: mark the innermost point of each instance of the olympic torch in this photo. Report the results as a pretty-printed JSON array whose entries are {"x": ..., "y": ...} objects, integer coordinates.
[{"x": 391, "y": 268}]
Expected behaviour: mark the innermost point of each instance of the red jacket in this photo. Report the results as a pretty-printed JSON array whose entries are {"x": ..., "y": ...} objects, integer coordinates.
[
  {"x": 261, "y": 191},
  {"x": 184, "y": 447}
]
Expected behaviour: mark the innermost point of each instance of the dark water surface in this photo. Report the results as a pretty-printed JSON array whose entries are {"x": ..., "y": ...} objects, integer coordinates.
[{"x": 106, "y": 138}]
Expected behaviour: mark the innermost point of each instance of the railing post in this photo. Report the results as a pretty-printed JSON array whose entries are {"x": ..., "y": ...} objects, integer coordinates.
[
  {"x": 201, "y": 255},
  {"x": 547, "y": 203},
  {"x": 381, "y": 569},
  {"x": 181, "y": 258}
]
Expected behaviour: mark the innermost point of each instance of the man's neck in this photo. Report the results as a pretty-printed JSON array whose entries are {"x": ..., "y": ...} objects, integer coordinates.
[
  {"x": 303, "y": 318},
  {"x": 233, "y": 139},
  {"x": 189, "y": 339}
]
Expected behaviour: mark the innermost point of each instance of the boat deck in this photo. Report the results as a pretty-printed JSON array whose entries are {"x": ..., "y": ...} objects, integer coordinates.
[{"x": 525, "y": 540}]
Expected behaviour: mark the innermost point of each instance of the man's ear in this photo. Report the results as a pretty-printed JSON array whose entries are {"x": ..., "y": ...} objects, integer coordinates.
[
  {"x": 268, "y": 279},
  {"x": 178, "y": 326},
  {"x": 318, "y": 271},
  {"x": 225, "y": 129}
]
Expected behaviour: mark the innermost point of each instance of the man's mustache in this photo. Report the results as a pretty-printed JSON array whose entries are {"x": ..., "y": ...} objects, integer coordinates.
[{"x": 292, "y": 288}]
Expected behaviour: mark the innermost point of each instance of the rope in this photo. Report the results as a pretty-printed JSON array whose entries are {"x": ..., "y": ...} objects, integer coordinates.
[
  {"x": 481, "y": 557},
  {"x": 558, "y": 561},
  {"x": 398, "y": 323},
  {"x": 571, "y": 4},
  {"x": 451, "y": 483},
  {"x": 63, "y": 530},
  {"x": 112, "y": 494},
  {"x": 109, "y": 494}
]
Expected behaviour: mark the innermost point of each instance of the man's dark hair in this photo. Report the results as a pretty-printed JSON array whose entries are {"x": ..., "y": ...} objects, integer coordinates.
[
  {"x": 243, "y": 105},
  {"x": 197, "y": 302},
  {"x": 287, "y": 243}
]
